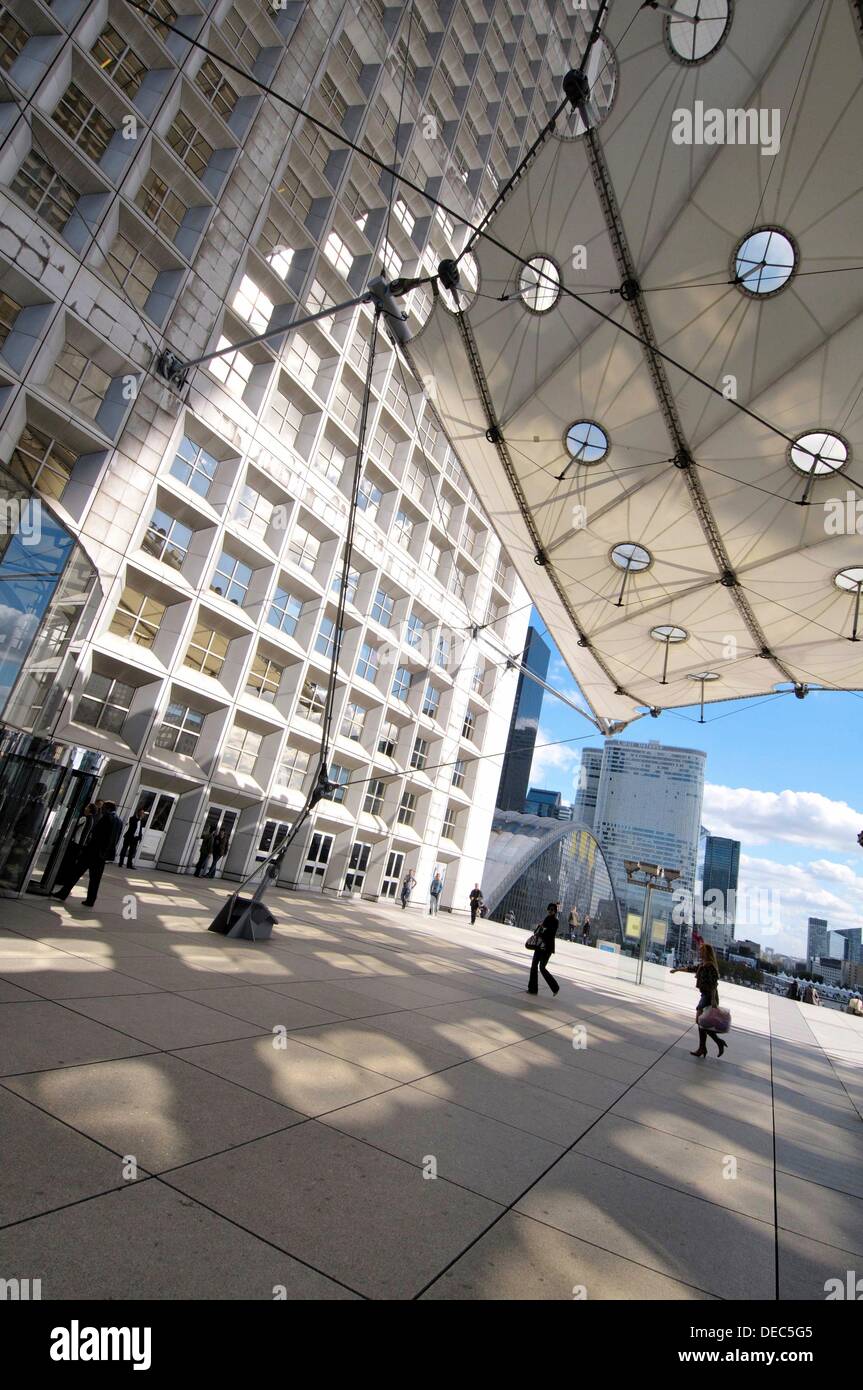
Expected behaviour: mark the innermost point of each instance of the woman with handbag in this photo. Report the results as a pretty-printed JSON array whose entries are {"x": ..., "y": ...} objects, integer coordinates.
[
  {"x": 706, "y": 974},
  {"x": 541, "y": 942}
]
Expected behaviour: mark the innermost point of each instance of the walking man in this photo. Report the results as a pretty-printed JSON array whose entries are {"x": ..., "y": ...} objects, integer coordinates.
[
  {"x": 100, "y": 847},
  {"x": 131, "y": 840},
  {"x": 435, "y": 891},
  {"x": 475, "y": 900},
  {"x": 408, "y": 885},
  {"x": 205, "y": 851},
  {"x": 543, "y": 951}
]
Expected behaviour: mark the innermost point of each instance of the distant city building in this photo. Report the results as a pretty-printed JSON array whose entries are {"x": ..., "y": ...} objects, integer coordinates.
[
  {"x": 542, "y": 802},
  {"x": 515, "y": 773},
  {"x": 719, "y": 876},
  {"x": 588, "y": 786},
  {"x": 830, "y": 970},
  {"x": 822, "y": 943},
  {"x": 852, "y": 974},
  {"x": 853, "y": 943},
  {"x": 648, "y": 808}
]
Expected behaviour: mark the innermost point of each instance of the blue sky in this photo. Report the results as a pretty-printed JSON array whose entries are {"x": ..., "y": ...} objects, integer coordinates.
[{"x": 784, "y": 776}]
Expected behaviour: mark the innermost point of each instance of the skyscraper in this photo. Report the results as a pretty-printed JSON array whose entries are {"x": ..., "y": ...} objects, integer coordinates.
[
  {"x": 721, "y": 865},
  {"x": 588, "y": 786},
  {"x": 179, "y": 641},
  {"x": 515, "y": 773},
  {"x": 822, "y": 943},
  {"x": 648, "y": 807},
  {"x": 853, "y": 937}
]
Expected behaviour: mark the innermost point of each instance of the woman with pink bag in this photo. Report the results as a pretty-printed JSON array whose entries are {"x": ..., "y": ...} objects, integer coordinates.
[{"x": 707, "y": 1011}]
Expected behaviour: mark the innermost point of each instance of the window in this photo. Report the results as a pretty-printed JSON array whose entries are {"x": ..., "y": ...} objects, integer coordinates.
[
  {"x": 325, "y": 642},
  {"x": 232, "y": 578},
  {"x": 241, "y": 39},
  {"x": 104, "y": 703},
  {"x": 472, "y": 541},
  {"x": 346, "y": 407},
  {"x": 374, "y": 799},
  {"x": 401, "y": 683},
  {"x": 295, "y": 765},
  {"x": 264, "y": 678},
  {"x": 296, "y": 195},
  {"x": 388, "y": 739},
  {"x": 354, "y": 721},
  {"x": 341, "y": 776},
  {"x": 414, "y": 479},
  {"x": 44, "y": 191},
  {"x": 241, "y": 750},
  {"x": 404, "y": 214},
  {"x": 216, "y": 88},
  {"x": 431, "y": 701},
  {"x": 161, "y": 205},
  {"x": 252, "y": 305},
  {"x": 338, "y": 254},
  {"x": 160, "y": 14},
  {"x": 764, "y": 261},
  {"x": 419, "y": 754},
  {"x": 392, "y": 261},
  {"x": 428, "y": 436},
  {"x": 368, "y": 663},
  {"x": 468, "y": 728},
  {"x": 586, "y": 442},
  {"x": 396, "y": 398},
  {"x": 233, "y": 369},
  {"x": 458, "y": 773},
  {"x": 312, "y": 701},
  {"x": 355, "y": 204},
  {"x": 253, "y": 510},
  {"x": 119, "y": 61},
  {"x": 189, "y": 145},
  {"x": 407, "y": 809},
  {"x": 12, "y": 38},
  {"x": 357, "y": 866},
  {"x": 432, "y": 557},
  {"x": 443, "y": 650},
  {"x": 500, "y": 572},
  {"x": 349, "y": 55},
  {"x": 382, "y": 607},
  {"x": 193, "y": 466},
  {"x": 384, "y": 447},
  {"x": 314, "y": 146},
  {"x": 285, "y": 610},
  {"x": 167, "y": 539},
  {"x": 415, "y": 631},
  {"x": 302, "y": 360},
  {"x": 329, "y": 461},
  {"x": 137, "y": 617},
  {"x": 42, "y": 462},
  {"x": 79, "y": 116},
  {"x": 403, "y": 530},
  {"x": 132, "y": 270},
  {"x": 179, "y": 729},
  {"x": 79, "y": 381},
  {"x": 350, "y": 587},
  {"x": 285, "y": 418},
  {"x": 478, "y": 679},
  {"x": 449, "y": 824},
  {"x": 206, "y": 651},
  {"x": 303, "y": 549},
  {"x": 369, "y": 498}
]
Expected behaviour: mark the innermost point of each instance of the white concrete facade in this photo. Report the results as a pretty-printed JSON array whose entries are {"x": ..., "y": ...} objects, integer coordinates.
[{"x": 149, "y": 195}]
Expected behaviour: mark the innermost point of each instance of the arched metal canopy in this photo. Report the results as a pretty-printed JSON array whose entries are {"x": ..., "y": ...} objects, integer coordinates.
[{"x": 744, "y": 547}]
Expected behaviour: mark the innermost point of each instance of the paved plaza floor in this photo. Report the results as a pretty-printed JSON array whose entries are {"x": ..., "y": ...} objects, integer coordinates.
[{"x": 370, "y": 1106}]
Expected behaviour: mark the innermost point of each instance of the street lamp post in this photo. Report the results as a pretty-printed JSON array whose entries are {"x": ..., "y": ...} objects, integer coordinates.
[{"x": 653, "y": 878}]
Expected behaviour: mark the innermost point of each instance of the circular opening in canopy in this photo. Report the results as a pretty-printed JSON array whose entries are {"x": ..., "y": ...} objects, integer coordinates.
[
  {"x": 697, "y": 28},
  {"x": 705, "y": 676},
  {"x": 850, "y": 580},
  {"x": 539, "y": 284},
  {"x": 631, "y": 557},
  {"x": 764, "y": 262},
  {"x": 819, "y": 452},
  {"x": 586, "y": 442},
  {"x": 667, "y": 633}
]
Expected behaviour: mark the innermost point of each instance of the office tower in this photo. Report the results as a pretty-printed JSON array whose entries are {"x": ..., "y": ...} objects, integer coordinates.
[
  {"x": 540, "y": 801},
  {"x": 719, "y": 877},
  {"x": 515, "y": 773},
  {"x": 822, "y": 943},
  {"x": 588, "y": 786},
  {"x": 853, "y": 938},
  {"x": 175, "y": 651},
  {"x": 648, "y": 808}
]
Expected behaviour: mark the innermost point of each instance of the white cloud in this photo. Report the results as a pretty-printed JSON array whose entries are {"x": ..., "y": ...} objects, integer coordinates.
[
  {"x": 555, "y": 767},
  {"x": 787, "y": 817},
  {"x": 776, "y": 899}
]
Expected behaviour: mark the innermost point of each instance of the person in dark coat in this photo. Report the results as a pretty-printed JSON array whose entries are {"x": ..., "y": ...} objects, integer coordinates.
[
  {"x": 131, "y": 840},
  {"x": 205, "y": 852},
  {"x": 220, "y": 849},
  {"x": 585, "y": 932},
  {"x": 542, "y": 954},
  {"x": 409, "y": 883},
  {"x": 475, "y": 900},
  {"x": 706, "y": 974},
  {"x": 99, "y": 848}
]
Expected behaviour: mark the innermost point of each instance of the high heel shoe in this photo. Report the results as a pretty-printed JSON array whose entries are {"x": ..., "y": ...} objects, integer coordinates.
[
  {"x": 721, "y": 1047},
  {"x": 701, "y": 1052}
]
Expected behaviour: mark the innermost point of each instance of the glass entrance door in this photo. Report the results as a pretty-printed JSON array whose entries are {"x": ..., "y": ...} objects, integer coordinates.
[
  {"x": 315, "y": 868},
  {"x": 359, "y": 863},
  {"x": 75, "y": 794},
  {"x": 393, "y": 876},
  {"x": 155, "y": 809}
]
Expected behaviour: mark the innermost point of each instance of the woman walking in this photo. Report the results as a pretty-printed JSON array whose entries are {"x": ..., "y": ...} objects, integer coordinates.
[
  {"x": 543, "y": 951},
  {"x": 408, "y": 885},
  {"x": 706, "y": 974}
]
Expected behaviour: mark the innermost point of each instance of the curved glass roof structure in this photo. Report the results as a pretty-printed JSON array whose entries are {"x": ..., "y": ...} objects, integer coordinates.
[{"x": 709, "y": 329}]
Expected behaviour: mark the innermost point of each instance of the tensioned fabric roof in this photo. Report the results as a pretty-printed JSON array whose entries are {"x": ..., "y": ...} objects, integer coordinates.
[{"x": 741, "y": 555}]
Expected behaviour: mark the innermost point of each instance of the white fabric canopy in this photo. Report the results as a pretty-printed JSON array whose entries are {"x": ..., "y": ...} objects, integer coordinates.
[{"x": 795, "y": 358}]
